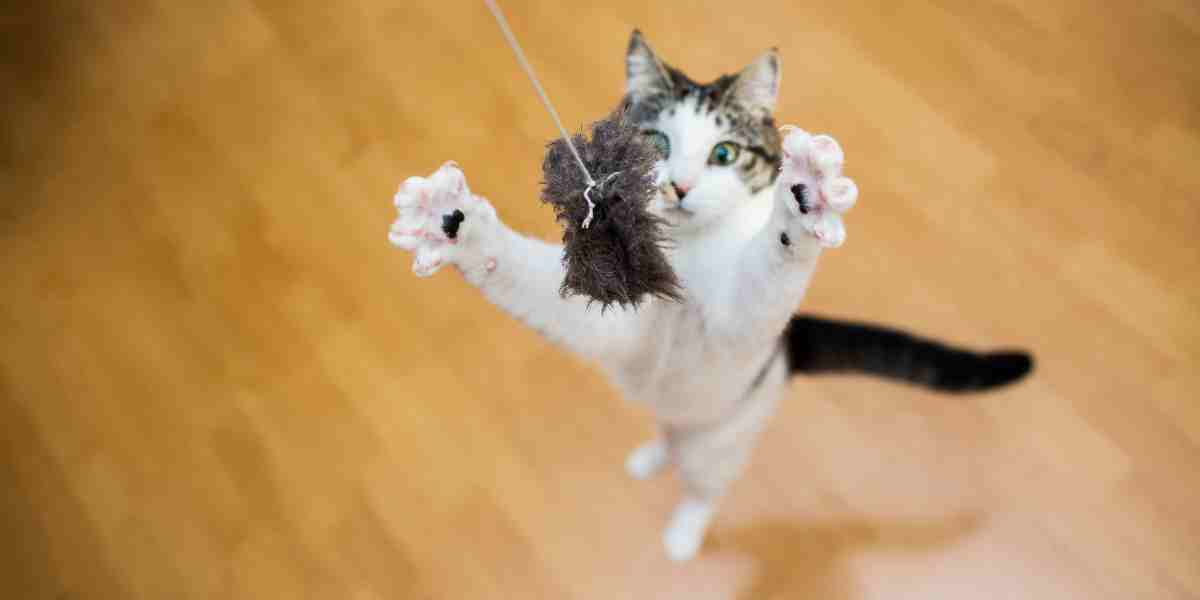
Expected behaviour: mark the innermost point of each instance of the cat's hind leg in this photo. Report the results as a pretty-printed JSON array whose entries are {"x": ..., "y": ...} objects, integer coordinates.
[
  {"x": 688, "y": 525},
  {"x": 711, "y": 459},
  {"x": 648, "y": 459},
  {"x": 708, "y": 465}
]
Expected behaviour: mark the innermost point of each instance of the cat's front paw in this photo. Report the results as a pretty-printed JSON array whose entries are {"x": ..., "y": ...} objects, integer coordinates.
[
  {"x": 811, "y": 187},
  {"x": 439, "y": 220}
]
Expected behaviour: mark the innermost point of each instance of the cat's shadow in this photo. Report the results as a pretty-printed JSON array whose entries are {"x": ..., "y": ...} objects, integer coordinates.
[{"x": 808, "y": 560}]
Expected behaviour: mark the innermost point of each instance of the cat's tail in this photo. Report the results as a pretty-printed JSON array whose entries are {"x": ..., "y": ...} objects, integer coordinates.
[{"x": 816, "y": 345}]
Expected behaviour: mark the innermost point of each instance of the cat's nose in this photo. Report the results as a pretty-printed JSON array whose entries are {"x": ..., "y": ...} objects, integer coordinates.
[{"x": 680, "y": 190}]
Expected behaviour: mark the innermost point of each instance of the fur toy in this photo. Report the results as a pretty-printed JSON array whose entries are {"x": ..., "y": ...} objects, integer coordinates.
[{"x": 617, "y": 257}]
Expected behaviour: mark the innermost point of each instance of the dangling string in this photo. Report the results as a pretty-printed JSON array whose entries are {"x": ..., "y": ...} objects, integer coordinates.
[
  {"x": 588, "y": 221},
  {"x": 516, "y": 48}
]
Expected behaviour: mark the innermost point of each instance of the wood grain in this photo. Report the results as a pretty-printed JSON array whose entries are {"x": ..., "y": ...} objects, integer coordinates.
[{"x": 218, "y": 380}]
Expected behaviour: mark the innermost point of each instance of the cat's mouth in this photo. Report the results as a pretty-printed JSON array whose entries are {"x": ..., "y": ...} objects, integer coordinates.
[
  {"x": 674, "y": 214},
  {"x": 671, "y": 206}
]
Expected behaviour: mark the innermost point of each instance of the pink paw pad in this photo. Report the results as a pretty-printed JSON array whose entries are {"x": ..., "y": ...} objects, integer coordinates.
[
  {"x": 812, "y": 185},
  {"x": 423, "y": 205}
]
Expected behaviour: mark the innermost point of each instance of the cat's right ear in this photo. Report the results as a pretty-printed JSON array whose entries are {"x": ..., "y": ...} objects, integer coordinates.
[{"x": 645, "y": 75}]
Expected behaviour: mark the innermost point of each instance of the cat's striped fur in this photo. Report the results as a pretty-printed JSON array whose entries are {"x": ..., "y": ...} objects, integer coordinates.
[{"x": 744, "y": 239}]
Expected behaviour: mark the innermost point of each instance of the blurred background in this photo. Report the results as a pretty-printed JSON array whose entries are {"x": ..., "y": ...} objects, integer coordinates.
[{"x": 218, "y": 379}]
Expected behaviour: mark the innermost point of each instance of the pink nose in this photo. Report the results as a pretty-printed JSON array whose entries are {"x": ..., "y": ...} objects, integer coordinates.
[{"x": 681, "y": 190}]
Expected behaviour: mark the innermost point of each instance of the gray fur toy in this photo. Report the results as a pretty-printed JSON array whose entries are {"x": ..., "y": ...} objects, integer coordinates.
[{"x": 618, "y": 258}]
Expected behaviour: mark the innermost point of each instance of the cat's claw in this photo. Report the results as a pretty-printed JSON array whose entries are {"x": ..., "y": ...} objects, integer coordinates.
[
  {"x": 435, "y": 217},
  {"x": 812, "y": 187}
]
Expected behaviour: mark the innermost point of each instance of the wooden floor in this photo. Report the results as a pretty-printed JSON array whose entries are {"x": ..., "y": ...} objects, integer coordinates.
[{"x": 218, "y": 380}]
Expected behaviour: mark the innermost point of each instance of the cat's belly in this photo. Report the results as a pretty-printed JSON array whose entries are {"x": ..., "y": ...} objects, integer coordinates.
[
  {"x": 686, "y": 376},
  {"x": 684, "y": 369}
]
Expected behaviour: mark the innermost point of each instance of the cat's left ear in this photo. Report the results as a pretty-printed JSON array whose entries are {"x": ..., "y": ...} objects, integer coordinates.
[
  {"x": 645, "y": 74},
  {"x": 757, "y": 86}
]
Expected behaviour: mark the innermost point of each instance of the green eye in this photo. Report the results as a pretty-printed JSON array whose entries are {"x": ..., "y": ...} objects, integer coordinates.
[
  {"x": 660, "y": 141},
  {"x": 724, "y": 154}
]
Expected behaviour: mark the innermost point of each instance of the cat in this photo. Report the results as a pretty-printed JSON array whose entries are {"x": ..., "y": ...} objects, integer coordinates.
[{"x": 748, "y": 209}]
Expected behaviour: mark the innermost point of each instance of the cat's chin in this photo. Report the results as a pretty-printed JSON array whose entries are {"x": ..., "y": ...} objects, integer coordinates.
[
  {"x": 688, "y": 228},
  {"x": 680, "y": 221},
  {"x": 676, "y": 215},
  {"x": 689, "y": 222},
  {"x": 673, "y": 216}
]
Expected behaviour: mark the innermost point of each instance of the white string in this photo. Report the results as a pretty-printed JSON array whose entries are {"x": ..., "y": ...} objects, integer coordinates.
[
  {"x": 537, "y": 85},
  {"x": 512, "y": 42},
  {"x": 587, "y": 196}
]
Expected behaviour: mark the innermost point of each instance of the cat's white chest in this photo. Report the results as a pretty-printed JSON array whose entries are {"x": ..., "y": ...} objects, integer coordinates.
[{"x": 685, "y": 367}]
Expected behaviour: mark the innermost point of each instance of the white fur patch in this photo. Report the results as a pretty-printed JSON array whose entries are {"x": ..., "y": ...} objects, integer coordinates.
[{"x": 712, "y": 190}]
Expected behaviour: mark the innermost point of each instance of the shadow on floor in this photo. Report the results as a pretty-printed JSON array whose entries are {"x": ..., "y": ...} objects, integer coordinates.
[{"x": 807, "y": 560}]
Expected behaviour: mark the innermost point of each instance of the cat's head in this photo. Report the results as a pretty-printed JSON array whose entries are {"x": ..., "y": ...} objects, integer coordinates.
[{"x": 718, "y": 140}]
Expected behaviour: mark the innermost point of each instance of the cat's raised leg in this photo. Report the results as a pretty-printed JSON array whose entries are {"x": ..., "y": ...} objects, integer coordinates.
[
  {"x": 776, "y": 266},
  {"x": 442, "y": 223}
]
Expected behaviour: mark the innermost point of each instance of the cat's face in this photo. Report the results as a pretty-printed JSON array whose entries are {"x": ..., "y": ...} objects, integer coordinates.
[{"x": 718, "y": 140}]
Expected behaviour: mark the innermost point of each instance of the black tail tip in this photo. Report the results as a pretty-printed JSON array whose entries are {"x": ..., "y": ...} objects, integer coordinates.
[{"x": 1007, "y": 367}]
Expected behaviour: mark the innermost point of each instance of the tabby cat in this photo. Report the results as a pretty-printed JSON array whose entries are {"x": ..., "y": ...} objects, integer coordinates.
[{"x": 748, "y": 210}]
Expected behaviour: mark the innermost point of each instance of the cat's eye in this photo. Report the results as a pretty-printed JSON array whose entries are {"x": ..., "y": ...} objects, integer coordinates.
[
  {"x": 660, "y": 141},
  {"x": 725, "y": 153}
]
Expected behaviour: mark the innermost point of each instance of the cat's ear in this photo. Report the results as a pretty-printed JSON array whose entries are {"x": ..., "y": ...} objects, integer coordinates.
[
  {"x": 645, "y": 75},
  {"x": 757, "y": 86}
]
